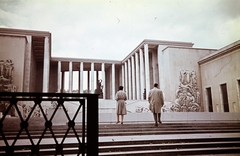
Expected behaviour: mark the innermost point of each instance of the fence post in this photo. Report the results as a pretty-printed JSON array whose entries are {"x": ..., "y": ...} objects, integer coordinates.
[{"x": 92, "y": 125}]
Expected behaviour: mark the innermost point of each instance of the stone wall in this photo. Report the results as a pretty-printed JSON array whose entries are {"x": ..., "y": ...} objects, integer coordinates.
[
  {"x": 175, "y": 61},
  {"x": 223, "y": 69},
  {"x": 13, "y": 48}
]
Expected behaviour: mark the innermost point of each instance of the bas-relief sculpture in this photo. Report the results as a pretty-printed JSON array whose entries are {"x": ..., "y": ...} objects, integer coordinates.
[
  {"x": 6, "y": 79},
  {"x": 187, "y": 94},
  {"x": 7, "y": 85}
]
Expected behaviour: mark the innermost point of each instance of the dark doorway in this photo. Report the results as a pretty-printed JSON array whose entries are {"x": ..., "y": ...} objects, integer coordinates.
[
  {"x": 224, "y": 97},
  {"x": 209, "y": 98}
]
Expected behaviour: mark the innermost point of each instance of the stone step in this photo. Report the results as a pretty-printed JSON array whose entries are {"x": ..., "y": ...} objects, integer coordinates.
[
  {"x": 133, "y": 129},
  {"x": 144, "y": 139},
  {"x": 174, "y": 152}
]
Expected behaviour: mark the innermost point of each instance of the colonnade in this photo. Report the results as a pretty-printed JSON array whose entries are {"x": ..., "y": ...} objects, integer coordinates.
[
  {"x": 136, "y": 73},
  {"x": 90, "y": 77}
]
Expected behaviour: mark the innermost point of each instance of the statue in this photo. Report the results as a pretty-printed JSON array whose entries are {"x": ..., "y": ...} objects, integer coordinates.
[{"x": 99, "y": 89}]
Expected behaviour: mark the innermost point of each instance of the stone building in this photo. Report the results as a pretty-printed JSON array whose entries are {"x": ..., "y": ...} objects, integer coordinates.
[{"x": 192, "y": 79}]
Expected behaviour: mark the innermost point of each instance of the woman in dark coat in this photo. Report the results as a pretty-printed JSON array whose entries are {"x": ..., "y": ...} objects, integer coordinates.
[{"x": 121, "y": 97}]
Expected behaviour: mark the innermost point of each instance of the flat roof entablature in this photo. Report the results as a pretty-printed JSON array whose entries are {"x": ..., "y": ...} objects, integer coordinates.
[
  {"x": 86, "y": 63},
  {"x": 178, "y": 47},
  {"x": 37, "y": 39},
  {"x": 153, "y": 45},
  {"x": 24, "y": 32},
  {"x": 223, "y": 51}
]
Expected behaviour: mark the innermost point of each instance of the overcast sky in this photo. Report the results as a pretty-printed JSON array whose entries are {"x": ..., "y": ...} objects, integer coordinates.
[{"x": 111, "y": 29}]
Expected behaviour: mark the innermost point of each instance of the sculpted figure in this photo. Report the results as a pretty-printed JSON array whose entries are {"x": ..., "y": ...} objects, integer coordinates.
[
  {"x": 1, "y": 67},
  {"x": 9, "y": 68},
  {"x": 193, "y": 78}
]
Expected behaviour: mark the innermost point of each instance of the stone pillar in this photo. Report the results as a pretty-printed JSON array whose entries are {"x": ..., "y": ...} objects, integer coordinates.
[
  {"x": 137, "y": 77},
  {"x": 88, "y": 81},
  {"x": 133, "y": 79},
  {"x": 59, "y": 77},
  {"x": 155, "y": 67},
  {"x": 113, "y": 81},
  {"x": 81, "y": 78},
  {"x": 92, "y": 77},
  {"x": 70, "y": 77},
  {"x": 126, "y": 79},
  {"x": 123, "y": 82},
  {"x": 161, "y": 67},
  {"x": 142, "y": 74},
  {"x": 129, "y": 80},
  {"x": 27, "y": 65},
  {"x": 97, "y": 78},
  {"x": 147, "y": 69},
  {"x": 46, "y": 64},
  {"x": 63, "y": 82},
  {"x": 103, "y": 81}
]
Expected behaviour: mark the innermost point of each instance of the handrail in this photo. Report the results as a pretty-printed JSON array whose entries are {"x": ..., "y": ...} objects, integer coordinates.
[{"x": 12, "y": 100}]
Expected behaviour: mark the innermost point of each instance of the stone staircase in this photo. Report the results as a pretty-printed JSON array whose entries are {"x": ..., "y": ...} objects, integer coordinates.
[
  {"x": 144, "y": 139},
  {"x": 169, "y": 139}
]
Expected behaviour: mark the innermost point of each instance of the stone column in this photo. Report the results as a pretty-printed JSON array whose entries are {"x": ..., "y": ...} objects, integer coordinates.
[
  {"x": 81, "y": 78},
  {"x": 46, "y": 64},
  {"x": 133, "y": 79},
  {"x": 63, "y": 82},
  {"x": 103, "y": 81},
  {"x": 92, "y": 77},
  {"x": 27, "y": 65},
  {"x": 59, "y": 77},
  {"x": 137, "y": 77},
  {"x": 147, "y": 69},
  {"x": 123, "y": 82},
  {"x": 155, "y": 67},
  {"x": 142, "y": 74},
  {"x": 161, "y": 67},
  {"x": 70, "y": 77},
  {"x": 129, "y": 80},
  {"x": 126, "y": 79},
  {"x": 113, "y": 81},
  {"x": 97, "y": 78},
  {"x": 88, "y": 81}
]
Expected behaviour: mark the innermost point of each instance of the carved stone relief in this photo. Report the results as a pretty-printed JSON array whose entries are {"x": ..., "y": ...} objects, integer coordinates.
[
  {"x": 6, "y": 79},
  {"x": 187, "y": 94},
  {"x": 6, "y": 85}
]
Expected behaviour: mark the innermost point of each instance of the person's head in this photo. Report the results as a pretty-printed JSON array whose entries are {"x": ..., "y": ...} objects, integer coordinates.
[
  {"x": 120, "y": 87},
  {"x": 156, "y": 85}
]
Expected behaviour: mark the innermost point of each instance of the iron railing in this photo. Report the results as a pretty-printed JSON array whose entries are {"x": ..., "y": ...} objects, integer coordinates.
[{"x": 37, "y": 131}]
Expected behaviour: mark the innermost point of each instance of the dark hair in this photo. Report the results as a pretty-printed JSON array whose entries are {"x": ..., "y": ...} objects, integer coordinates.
[
  {"x": 155, "y": 85},
  {"x": 120, "y": 87}
]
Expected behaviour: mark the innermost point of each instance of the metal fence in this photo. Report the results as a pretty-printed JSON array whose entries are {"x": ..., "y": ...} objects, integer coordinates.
[{"x": 28, "y": 127}]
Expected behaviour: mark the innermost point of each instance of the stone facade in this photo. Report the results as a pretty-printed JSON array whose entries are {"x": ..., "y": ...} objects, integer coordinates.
[
  {"x": 220, "y": 75},
  {"x": 184, "y": 73}
]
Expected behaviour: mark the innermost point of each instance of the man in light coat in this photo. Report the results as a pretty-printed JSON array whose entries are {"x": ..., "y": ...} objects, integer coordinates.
[{"x": 156, "y": 101}]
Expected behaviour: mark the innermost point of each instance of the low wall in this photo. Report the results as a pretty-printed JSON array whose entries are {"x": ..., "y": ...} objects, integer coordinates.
[{"x": 199, "y": 117}]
